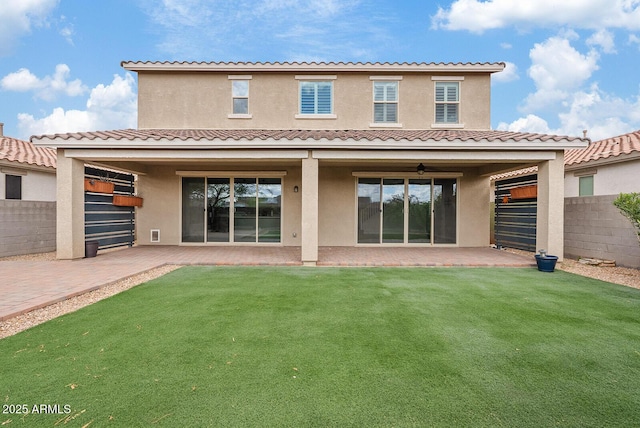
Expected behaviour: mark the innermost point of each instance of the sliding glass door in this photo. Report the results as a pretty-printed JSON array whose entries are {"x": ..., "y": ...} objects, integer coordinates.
[
  {"x": 231, "y": 209},
  {"x": 419, "y": 200},
  {"x": 406, "y": 211},
  {"x": 218, "y": 209}
]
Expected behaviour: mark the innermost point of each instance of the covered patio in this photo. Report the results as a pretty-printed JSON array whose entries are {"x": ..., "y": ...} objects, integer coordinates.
[
  {"x": 154, "y": 256},
  {"x": 35, "y": 284}
]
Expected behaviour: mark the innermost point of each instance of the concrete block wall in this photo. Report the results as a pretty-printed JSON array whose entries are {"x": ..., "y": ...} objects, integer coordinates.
[
  {"x": 27, "y": 227},
  {"x": 595, "y": 228}
]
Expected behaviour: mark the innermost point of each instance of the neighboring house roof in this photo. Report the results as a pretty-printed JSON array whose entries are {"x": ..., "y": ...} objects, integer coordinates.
[
  {"x": 620, "y": 148},
  {"x": 467, "y": 67},
  {"x": 321, "y": 136},
  {"x": 24, "y": 152},
  {"x": 614, "y": 147}
]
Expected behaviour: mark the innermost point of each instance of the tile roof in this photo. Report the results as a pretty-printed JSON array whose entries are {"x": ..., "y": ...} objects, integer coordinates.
[
  {"x": 300, "y": 134},
  {"x": 614, "y": 147},
  {"x": 516, "y": 173},
  {"x": 484, "y": 67},
  {"x": 609, "y": 148},
  {"x": 15, "y": 150}
]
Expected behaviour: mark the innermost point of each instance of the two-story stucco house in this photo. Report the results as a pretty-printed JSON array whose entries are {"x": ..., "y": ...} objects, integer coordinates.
[{"x": 312, "y": 154}]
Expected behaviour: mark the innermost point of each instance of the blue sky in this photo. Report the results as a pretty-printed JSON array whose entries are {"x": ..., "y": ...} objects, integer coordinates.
[{"x": 571, "y": 65}]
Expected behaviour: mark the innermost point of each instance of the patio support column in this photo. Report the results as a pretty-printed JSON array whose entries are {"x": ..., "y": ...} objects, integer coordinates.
[
  {"x": 69, "y": 207},
  {"x": 309, "y": 211},
  {"x": 550, "y": 216}
]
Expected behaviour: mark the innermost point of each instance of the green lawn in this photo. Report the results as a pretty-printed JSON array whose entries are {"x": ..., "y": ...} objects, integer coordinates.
[{"x": 211, "y": 346}]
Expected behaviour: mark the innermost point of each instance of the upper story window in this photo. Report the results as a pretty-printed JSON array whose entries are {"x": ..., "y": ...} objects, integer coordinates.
[
  {"x": 447, "y": 102},
  {"x": 316, "y": 97},
  {"x": 13, "y": 187},
  {"x": 240, "y": 96},
  {"x": 385, "y": 102}
]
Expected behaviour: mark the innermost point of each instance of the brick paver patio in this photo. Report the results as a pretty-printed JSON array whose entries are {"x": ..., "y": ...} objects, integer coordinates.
[{"x": 28, "y": 285}]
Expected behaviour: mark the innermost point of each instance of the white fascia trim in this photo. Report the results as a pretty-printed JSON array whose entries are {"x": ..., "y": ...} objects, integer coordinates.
[
  {"x": 316, "y": 77},
  {"x": 447, "y": 78},
  {"x": 241, "y": 174},
  {"x": 390, "y": 78},
  {"x": 168, "y": 154},
  {"x": 13, "y": 171},
  {"x": 404, "y": 174},
  {"x": 477, "y": 156},
  {"x": 267, "y": 145}
]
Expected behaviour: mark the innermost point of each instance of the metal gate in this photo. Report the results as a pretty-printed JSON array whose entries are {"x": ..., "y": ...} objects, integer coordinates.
[
  {"x": 515, "y": 217},
  {"x": 112, "y": 226}
]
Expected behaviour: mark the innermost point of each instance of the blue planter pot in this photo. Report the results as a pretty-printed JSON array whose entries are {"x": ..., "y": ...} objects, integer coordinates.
[{"x": 546, "y": 263}]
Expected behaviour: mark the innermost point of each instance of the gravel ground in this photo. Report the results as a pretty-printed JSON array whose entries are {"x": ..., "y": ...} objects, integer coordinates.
[{"x": 616, "y": 275}]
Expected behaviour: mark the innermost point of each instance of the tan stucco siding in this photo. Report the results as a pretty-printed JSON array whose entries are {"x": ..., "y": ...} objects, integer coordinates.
[
  {"x": 337, "y": 200},
  {"x": 204, "y": 100},
  {"x": 160, "y": 189},
  {"x": 473, "y": 210}
]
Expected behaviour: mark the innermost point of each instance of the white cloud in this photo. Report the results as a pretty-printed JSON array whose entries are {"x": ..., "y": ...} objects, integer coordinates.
[
  {"x": 634, "y": 40},
  {"x": 112, "y": 106},
  {"x": 530, "y": 123},
  {"x": 509, "y": 74},
  {"x": 604, "y": 39},
  {"x": 18, "y": 17},
  {"x": 46, "y": 88},
  {"x": 557, "y": 69},
  {"x": 602, "y": 114},
  {"x": 566, "y": 96},
  {"x": 478, "y": 16}
]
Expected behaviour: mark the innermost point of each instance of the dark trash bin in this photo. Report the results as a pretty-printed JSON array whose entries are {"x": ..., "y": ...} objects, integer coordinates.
[
  {"x": 546, "y": 263},
  {"x": 91, "y": 248}
]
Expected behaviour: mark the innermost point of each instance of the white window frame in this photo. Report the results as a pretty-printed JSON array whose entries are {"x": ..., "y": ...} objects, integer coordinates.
[
  {"x": 448, "y": 80},
  {"x": 386, "y": 79},
  {"x": 316, "y": 79},
  {"x": 246, "y": 78}
]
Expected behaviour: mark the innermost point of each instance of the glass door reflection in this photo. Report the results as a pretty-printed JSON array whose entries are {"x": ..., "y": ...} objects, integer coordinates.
[
  {"x": 218, "y": 205},
  {"x": 244, "y": 202},
  {"x": 419, "y": 210},
  {"x": 392, "y": 210}
]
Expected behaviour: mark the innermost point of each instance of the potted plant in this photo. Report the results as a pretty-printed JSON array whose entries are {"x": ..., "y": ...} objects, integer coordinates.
[
  {"x": 546, "y": 262},
  {"x": 101, "y": 185},
  {"x": 127, "y": 200}
]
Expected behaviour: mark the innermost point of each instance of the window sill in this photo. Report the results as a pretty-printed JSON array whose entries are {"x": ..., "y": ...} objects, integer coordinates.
[
  {"x": 240, "y": 116},
  {"x": 447, "y": 125},
  {"x": 385, "y": 125},
  {"x": 316, "y": 116}
]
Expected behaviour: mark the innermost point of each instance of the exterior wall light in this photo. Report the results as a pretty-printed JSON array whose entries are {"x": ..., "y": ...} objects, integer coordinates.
[{"x": 420, "y": 169}]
